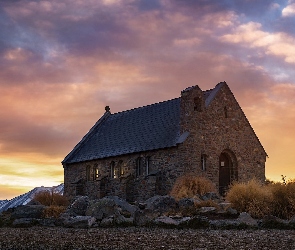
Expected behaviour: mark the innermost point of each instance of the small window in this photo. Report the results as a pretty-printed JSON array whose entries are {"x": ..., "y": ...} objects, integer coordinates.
[
  {"x": 139, "y": 166},
  {"x": 204, "y": 162},
  {"x": 197, "y": 104},
  {"x": 225, "y": 112},
  {"x": 119, "y": 169},
  {"x": 113, "y": 174},
  {"x": 147, "y": 165},
  {"x": 96, "y": 172}
]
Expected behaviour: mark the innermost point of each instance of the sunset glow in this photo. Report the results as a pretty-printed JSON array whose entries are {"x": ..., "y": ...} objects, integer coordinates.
[{"x": 62, "y": 62}]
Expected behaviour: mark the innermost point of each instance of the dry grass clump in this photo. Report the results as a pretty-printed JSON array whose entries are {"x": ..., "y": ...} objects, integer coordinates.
[
  {"x": 277, "y": 199},
  {"x": 251, "y": 197},
  {"x": 187, "y": 186},
  {"x": 283, "y": 204},
  {"x": 48, "y": 198}
]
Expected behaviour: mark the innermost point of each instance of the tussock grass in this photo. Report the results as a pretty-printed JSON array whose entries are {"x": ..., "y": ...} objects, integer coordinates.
[
  {"x": 276, "y": 199},
  {"x": 251, "y": 197},
  {"x": 48, "y": 198},
  {"x": 188, "y": 186}
]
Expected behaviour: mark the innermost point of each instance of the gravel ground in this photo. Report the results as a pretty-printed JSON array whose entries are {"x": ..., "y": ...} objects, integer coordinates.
[{"x": 143, "y": 238}]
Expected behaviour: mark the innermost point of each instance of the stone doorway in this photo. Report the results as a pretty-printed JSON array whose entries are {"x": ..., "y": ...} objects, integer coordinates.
[{"x": 227, "y": 171}]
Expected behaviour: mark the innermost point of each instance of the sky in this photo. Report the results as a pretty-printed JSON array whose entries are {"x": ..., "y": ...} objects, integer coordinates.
[{"x": 62, "y": 62}]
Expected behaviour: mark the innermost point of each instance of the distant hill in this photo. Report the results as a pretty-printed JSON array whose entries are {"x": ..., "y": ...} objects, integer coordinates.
[{"x": 27, "y": 197}]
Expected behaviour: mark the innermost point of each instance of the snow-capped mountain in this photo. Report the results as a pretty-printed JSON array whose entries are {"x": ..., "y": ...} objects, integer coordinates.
[{"x": 27, "y": 197}]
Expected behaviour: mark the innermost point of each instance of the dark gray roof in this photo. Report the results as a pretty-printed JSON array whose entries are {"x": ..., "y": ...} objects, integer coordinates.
[{"x": 146, "y": 128}]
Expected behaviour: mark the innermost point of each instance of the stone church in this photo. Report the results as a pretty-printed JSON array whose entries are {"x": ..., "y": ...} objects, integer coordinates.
[{"x": 139, "y": 153}]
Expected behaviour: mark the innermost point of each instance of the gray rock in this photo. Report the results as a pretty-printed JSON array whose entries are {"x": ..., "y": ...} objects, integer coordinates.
[
  {"x": 24, "y": 222},
  {"x": 102, "y": 208},
  {"x": 79, "y": 206},
  {"x": 123, "y": 221},
  {"x": 79, "y": 222},
  {"x": 246, "y": 218},
  {"x": 292, "y": 220},
  {"x": 231, "y": 211},
  {"x": 186, "y": 203},
  {"x": 107, "y": 222},
  {"x": 207, "y": 210},
  {"x": 210, "y": 196},
  {"x": 165, "y": 221},
  {"x": 161, "y": 204},
  {"x": 144, "y": 217},
  {"x": 28, "y": 211},
  {"x": 126, "y": 209}
]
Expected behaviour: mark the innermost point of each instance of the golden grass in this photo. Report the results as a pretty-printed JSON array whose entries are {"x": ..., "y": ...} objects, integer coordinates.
[
  {"x": 48, "y": 198},
  {"x": 277, "y": 199},
  {"x": 187, "y": 186}
]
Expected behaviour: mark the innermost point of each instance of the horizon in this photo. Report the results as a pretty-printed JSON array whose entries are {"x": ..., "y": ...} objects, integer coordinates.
[{"x": 63, "y": 62}]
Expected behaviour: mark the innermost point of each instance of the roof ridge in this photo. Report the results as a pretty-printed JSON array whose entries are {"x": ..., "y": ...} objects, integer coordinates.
[{"x": 145, "y": 106}]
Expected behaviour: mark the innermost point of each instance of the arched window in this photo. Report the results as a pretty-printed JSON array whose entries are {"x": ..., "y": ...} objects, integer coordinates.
[
  {"x": 139, "y": 166},
  {"x": 96, "y": 172},
  {"x": 147, "y": 165},
  {"x": 119, "y": 169},
  {"x": 204, "y": 162},
  {"x": 113, "y": 175}
]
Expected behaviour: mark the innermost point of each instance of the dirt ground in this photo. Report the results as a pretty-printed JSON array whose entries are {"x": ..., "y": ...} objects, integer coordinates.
[{"x": 143, "y": 238}]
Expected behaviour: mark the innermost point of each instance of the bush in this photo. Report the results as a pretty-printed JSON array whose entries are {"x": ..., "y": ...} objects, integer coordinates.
[
  {"x": 251, "y": 197},
  {"x": 283, "y": 204},
  {"x": 187, "y": 186},
  {"x": 48, "y": 198}
]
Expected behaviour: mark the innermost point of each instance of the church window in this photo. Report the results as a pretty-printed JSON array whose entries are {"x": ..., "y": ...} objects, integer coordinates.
[
  {"x": 139, "y": 166},
  {"x": 113, "y": 173},
  {"x": 96, "y": 172},
  {"x": 147, "y": 165},
  {"x": 204, "y": 162}
]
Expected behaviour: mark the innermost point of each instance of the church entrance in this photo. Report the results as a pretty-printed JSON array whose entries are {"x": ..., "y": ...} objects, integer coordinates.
[{"x": 227, "y": 171}]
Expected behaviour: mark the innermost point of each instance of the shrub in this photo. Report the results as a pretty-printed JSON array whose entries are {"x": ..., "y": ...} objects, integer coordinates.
[
  {"x": 187, "y": 186},
  {"x": 283, "y": 204},
  {"x": 251, "y": 197},
  {"x": 48, "y": 198}
]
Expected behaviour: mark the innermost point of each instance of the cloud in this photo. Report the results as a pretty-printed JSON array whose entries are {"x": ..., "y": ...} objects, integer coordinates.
[{"x": 289, "y": 10}]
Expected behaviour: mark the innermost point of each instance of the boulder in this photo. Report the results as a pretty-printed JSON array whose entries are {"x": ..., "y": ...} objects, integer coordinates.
[
  {"x": 125, "y": 208},
  {"x": 246, "y": 218},
  {"x": 79, "y": 222},
  {"x": 102, "y": 208},
  {"x": 144, "y": 217},
  {"x": 24, "y": 222},
  {"x": 28, "y": 211},
  {"x": 161, "y": 204},
  {"x": 107, "y": 222},
  {"x": 207, "y": 210},
  {"x": 166, "y": 221},
  {"x": 186, "y": 203},
  {"x": 210, "y": 196},
  {"x": 79, "y": 206}
]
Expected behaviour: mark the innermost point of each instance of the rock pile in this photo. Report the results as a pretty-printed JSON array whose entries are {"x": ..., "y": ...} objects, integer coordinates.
[{"x": 160, "y": 211}]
